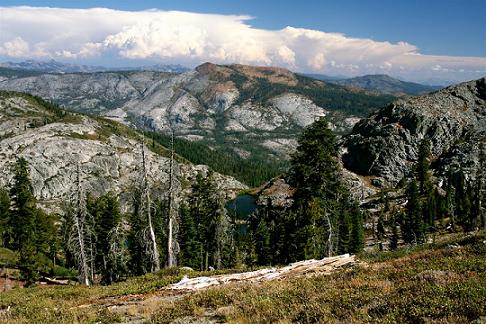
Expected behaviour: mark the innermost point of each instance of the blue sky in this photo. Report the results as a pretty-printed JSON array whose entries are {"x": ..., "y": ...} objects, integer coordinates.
[
  {"x": 415, "y": 40},
  {"x": 441, "y": 27}
]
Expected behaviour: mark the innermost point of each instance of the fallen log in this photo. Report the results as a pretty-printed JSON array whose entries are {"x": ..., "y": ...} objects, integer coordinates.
[
  {"x": 324, "y": 266},
  {"x": 53, "y": 281}
]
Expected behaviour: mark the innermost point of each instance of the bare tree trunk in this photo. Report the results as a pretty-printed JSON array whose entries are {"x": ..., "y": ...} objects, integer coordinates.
[
  {"x": 329, "y": 237},
  {"x": 79, "y": 232},
  {"x": 172, "y": 243},
  {"x": 152, "y": 249}
]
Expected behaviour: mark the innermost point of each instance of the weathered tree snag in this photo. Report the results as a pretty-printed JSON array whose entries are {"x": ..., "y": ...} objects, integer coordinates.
[
  {"x": 146, "y": 209},
  {"x": 79, "y": 240}
]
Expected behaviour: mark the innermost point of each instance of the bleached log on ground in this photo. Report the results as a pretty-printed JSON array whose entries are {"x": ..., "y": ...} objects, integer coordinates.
[
  {"x": 54, "y": 281},
  {"x": 301, "y": 268}
]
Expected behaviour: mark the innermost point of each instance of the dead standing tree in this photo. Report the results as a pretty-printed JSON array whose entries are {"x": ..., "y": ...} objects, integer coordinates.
[
  {"x": 80, "y": 239},
  {"x": 172, "y": 244},
  {"x": 145, "y": 215}
]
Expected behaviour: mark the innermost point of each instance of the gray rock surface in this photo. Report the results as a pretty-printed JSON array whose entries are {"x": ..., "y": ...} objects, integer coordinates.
[
  {"x": 206, "y": 104},
  {"x": 386, "y": 143},
  {"x": 108, "y": 161}
]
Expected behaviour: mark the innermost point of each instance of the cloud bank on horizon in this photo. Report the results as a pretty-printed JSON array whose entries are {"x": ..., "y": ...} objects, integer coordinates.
[{"x": 107, "y": 35}]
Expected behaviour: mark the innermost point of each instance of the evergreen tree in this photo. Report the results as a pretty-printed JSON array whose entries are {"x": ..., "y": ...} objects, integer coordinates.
[
  {"x": 80, "y": 235},
  {"x": 23, "y": 221},
  {"x": 142, "y": 239},
  {"x": 394, "y": 231},
  {"x": 107, "y": 216},
  {"x": 314, "y": 174},
  {"x": 423, "y": 166},
  {"x": 481, "y": 187},
  {"x": 139, "y": 261},
  {"x": 5, "y": 229},
  {"x": 319, "y": 231},
  {"x": 357, "y": 229},
  {"x": 412, "y": 230},
  {"x": 345, "y": 227},
  {"x": 450, "y": 201},
  {"x": 47, "y": 241},
  {"x": 380, "y": 230},
  {"x": 431, "y": 209},
  {"x": 463, "y": 200},
  {"x": 189, "y": 244},
  {"x": 213, "y": 223},
  {"x": 262, "y": 243}
]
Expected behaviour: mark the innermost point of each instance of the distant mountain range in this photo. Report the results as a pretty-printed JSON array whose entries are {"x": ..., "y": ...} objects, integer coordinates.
[
  {"x": 379, "y": 83},
  {"x": 376, "y": 83},
  {"x": 53, "y": 66},
  {"x": 253, "y": 113}
]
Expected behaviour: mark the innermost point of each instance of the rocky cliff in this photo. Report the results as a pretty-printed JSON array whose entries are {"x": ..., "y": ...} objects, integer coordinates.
[
  {"x": 385, "y": 145},
  {"x": 237, "y": 107},
  {"x": 108, "y": 154}
]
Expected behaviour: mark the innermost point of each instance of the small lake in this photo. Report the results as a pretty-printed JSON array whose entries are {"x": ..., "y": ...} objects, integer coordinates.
[{"x": 243, "y": 206}]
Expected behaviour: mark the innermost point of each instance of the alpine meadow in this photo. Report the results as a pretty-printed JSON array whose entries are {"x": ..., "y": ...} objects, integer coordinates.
[{"x": 242, "y": 162}]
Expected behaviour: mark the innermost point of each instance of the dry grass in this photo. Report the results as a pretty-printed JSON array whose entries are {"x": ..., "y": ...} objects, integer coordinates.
[
  {"x": 438, "y": 284},
  {"x": 423, "y": 285}
]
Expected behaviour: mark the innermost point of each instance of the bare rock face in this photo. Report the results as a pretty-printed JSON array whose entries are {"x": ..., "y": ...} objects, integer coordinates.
[
  {"x": 108, "y": 155},
  {"x": 276, "y": 193},
  {"x": 385, "y": 144},
  {"x": 258, "y": 104}
]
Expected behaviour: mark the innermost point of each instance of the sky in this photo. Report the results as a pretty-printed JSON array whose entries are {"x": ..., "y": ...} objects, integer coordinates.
[{"x": 414, "y": 40}]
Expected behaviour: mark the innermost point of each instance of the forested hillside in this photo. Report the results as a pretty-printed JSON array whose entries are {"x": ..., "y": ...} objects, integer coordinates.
[{"x": 246, "y": 115}]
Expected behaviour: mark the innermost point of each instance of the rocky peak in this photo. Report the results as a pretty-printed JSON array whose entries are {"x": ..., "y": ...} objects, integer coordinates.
[
  {"x": 385, "y": 144},
  {"x": 235, "y": 108},
  {"x": 224, "y": 73},
  {"x": 108, "y": 154}
]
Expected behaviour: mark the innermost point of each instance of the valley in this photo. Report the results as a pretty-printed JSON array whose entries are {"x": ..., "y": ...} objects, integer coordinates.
[
  {"x": 134, "y": 182},
  {"x": 251, "y": 114}
]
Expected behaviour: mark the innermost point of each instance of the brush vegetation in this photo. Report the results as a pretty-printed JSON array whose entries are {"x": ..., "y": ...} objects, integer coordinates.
[{"x": 445, "y": 282}]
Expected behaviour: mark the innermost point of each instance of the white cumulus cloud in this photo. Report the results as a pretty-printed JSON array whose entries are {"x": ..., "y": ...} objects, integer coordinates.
[{"x": 193, "y": 38}]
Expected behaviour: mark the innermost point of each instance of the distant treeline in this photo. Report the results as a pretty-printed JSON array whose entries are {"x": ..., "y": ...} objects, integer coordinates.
[{"x": 252, "y": 171}]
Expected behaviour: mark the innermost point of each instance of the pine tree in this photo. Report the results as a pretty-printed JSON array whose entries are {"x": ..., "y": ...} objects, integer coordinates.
[
  {"x": 320, "y": 241},
  {"x": 262, "y": 243},
  {"x": 47, "y": 242},
  {"x": 190, "y": 246},
  {"x": 423, "y": 166},
  {"x": 344, "y": 232},
  {"x": 357, "y": 229},
  {"x": 138, "y": 263},
  {"x": 5, "y": 229},
  {"x": 481, "y": 187},
  {"x": 450, "y": 201},
  {"x": 207, "y": 207},
  {"x": 143, "y": 247},
  {"x": 463, "y": 200},
  {"x": 394, "y": 231},
  {"x": 23, "y": 221},
  {"x": 80, "y": 240},
  {"x": 431, "y": 209},
  {"x": 315, "y": 174},
  {"x": 380, "y": 230},
  {"x": 109, "y": 232},
  {"x": 412, "y": 230}
]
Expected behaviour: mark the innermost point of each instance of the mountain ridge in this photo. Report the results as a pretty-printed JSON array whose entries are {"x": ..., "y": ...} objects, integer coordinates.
[
  {"x": 385, "y": 145},
  {"x": 255, "y": 112},
  {"x": 56, "y": 143},
  {"x": 53, "y": 66}
]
